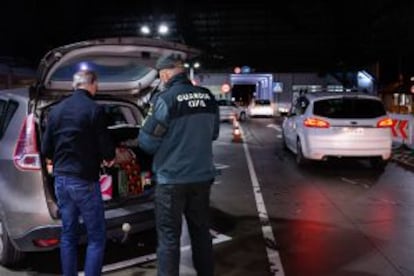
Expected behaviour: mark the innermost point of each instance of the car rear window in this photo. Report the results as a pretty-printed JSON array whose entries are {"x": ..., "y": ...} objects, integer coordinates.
[
  {"x": 119, "y": 114},
  {"x": 344, "y": 108},
  {"x": 7, "y": 109},
  {"x": 262, "y": 102},
  {"x": 109, "y": 69},
  {"x": 225, "y": 103}
]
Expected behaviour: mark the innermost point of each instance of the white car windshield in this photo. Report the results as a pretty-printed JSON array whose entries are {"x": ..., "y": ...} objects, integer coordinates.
[{"x": 262, "y": 102}]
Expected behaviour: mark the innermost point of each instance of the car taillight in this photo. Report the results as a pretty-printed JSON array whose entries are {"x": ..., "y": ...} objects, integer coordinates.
[
  {"x": 315, "y": 122},
  {"x": 386, "y": 122},
  {"x": 45, "y": 242},
  {"x": 26, "y": 154}
]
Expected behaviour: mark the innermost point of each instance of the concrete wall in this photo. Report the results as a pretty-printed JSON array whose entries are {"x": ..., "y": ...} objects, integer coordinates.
[
  {"x": 289, "y": 80},
  {"x": 14, "y": 75},
  {"x": 213, "y": 81}
]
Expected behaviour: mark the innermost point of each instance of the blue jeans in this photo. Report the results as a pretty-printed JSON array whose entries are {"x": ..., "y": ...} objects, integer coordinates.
[
  {"x": 171, "y": 202},
  {"x": 77, "y": 197}
]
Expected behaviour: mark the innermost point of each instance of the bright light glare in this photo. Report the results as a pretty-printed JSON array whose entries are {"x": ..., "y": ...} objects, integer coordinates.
[
  {"x": 364, "y": 75},
  {"x": 145, "y": 30},
  {"x": 163, "y": 29},
  {"x": 194, "y": 65},
  {"x": 83, "y": 66}
]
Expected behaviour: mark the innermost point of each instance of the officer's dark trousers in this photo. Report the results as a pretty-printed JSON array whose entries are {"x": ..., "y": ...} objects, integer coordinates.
[{"x": 171, "y": 202}]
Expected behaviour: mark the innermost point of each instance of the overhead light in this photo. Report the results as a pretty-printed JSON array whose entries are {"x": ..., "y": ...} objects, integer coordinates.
[
  {"x": 83, "y": 66},
  {"x": 191, "y": 67},
  {"x": 145, "y": 30},
  {"x": 163, "y": 29}
]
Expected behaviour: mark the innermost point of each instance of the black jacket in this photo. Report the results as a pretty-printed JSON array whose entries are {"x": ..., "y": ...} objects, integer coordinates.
[
  {"x": 179, "y": 130},
  {"x": 76, "y": 137}
]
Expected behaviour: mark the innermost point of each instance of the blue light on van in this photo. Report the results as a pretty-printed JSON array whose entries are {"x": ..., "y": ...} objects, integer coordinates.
[{"x": 84, "y": 66}]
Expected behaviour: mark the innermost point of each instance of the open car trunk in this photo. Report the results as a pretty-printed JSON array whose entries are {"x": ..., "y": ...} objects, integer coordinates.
[
  {"x": 127, "y": 182},
  {"x": 131, "y": 176},
  {"x": 126, "y": 74}
]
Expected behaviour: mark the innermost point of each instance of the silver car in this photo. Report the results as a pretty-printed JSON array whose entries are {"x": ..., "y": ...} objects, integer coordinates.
[
  {"x": 229, "y": 110},
  {"x": 29, "y": 216},
  {"x": 261, "y": 108},
  {"x": 341, "y": 125}
]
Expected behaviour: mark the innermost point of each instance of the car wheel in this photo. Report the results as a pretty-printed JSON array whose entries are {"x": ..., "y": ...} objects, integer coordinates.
[
  {"x": 378, "y": 163},
  {"x": 300, "y": 159},
  {"x": 242, "y": 117},
  {"x": 284, "y": 145},
  {"x": 9, "y": 255}
]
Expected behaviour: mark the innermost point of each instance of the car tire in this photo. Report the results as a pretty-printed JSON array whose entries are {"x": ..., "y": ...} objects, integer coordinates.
[
  {"x": 284, "y": 145},
  {"x": 9, "y": 255},
  {"x": 242, "y": 117},
  {"x": 300, "y": 159},
  {"x": 378, "y": 163}
]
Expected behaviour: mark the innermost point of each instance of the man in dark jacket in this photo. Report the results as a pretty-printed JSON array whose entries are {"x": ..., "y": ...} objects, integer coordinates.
[
  {"x": 179, "y": 130},
  {"x": 77, "y": 142}
]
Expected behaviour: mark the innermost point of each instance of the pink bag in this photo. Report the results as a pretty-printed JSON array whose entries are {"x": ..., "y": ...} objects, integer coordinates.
[{"x": 106, "y": 186}]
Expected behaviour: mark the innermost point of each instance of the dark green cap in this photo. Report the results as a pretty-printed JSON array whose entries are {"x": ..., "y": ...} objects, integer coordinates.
[{"x": 168, "y": 62}]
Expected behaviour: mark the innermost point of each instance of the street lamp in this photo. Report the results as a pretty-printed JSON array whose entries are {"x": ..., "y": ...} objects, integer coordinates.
[
  {"x": 145, "y": 30},
  {"x": 162, "y": 30},
  {"x": 191, "y": 67}
]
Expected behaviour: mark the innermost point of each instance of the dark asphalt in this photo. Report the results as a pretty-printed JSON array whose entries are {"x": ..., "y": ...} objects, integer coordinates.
[
  {"x": 404, "y": 156},
  {"x": 336, "y": 219}
]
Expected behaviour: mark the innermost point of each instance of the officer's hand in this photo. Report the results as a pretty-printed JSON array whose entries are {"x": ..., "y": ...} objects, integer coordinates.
[{"x": 49, "y": 166}]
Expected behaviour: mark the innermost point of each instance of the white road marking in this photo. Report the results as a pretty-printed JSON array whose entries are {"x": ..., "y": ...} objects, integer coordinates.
[
  {"x": 276, "y": 127},
  {"x": 221, "y": 166},
  {"x": 218, "y": 238},
  {"x": 217, "y": 182},
  {"x": 350, "y": 181},
  {"x": 127, "y": 263},
  {"x": 273, "y": 257}
]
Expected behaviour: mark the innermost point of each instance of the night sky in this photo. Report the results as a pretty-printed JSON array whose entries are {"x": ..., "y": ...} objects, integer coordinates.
[{"x": 292, "y": 36}]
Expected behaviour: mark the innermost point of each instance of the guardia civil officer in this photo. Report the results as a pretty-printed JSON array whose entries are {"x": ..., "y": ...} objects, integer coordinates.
[{"x": 179, "y": 131}]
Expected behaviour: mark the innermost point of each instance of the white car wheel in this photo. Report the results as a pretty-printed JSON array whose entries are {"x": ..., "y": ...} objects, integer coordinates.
[
  {"x": 300, "y": 159},
  {"x": 284, "y": 145},
  {"x": 378, "y": 164}
]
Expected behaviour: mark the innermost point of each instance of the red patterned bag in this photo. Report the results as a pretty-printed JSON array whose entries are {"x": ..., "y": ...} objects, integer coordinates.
[{"x": 126, "y": 160}]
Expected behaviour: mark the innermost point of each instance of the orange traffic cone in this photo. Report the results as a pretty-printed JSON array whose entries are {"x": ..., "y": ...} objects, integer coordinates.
[{"x": 237, "y": 138}]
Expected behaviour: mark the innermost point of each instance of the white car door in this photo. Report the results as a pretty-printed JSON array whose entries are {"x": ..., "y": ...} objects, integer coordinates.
[{"x": 293, "y": 123}]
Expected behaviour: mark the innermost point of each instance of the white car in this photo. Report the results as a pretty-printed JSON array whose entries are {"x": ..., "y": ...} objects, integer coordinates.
[
  {"x": 261, "y": 108},
  {"x": 324, "y": 125},
  {"x": 229, "y": 110},
  {"x": 283, "y": 108}
]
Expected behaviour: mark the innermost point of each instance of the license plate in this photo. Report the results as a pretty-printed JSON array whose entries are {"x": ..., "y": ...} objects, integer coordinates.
[{"x": 353, "y": 130}]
